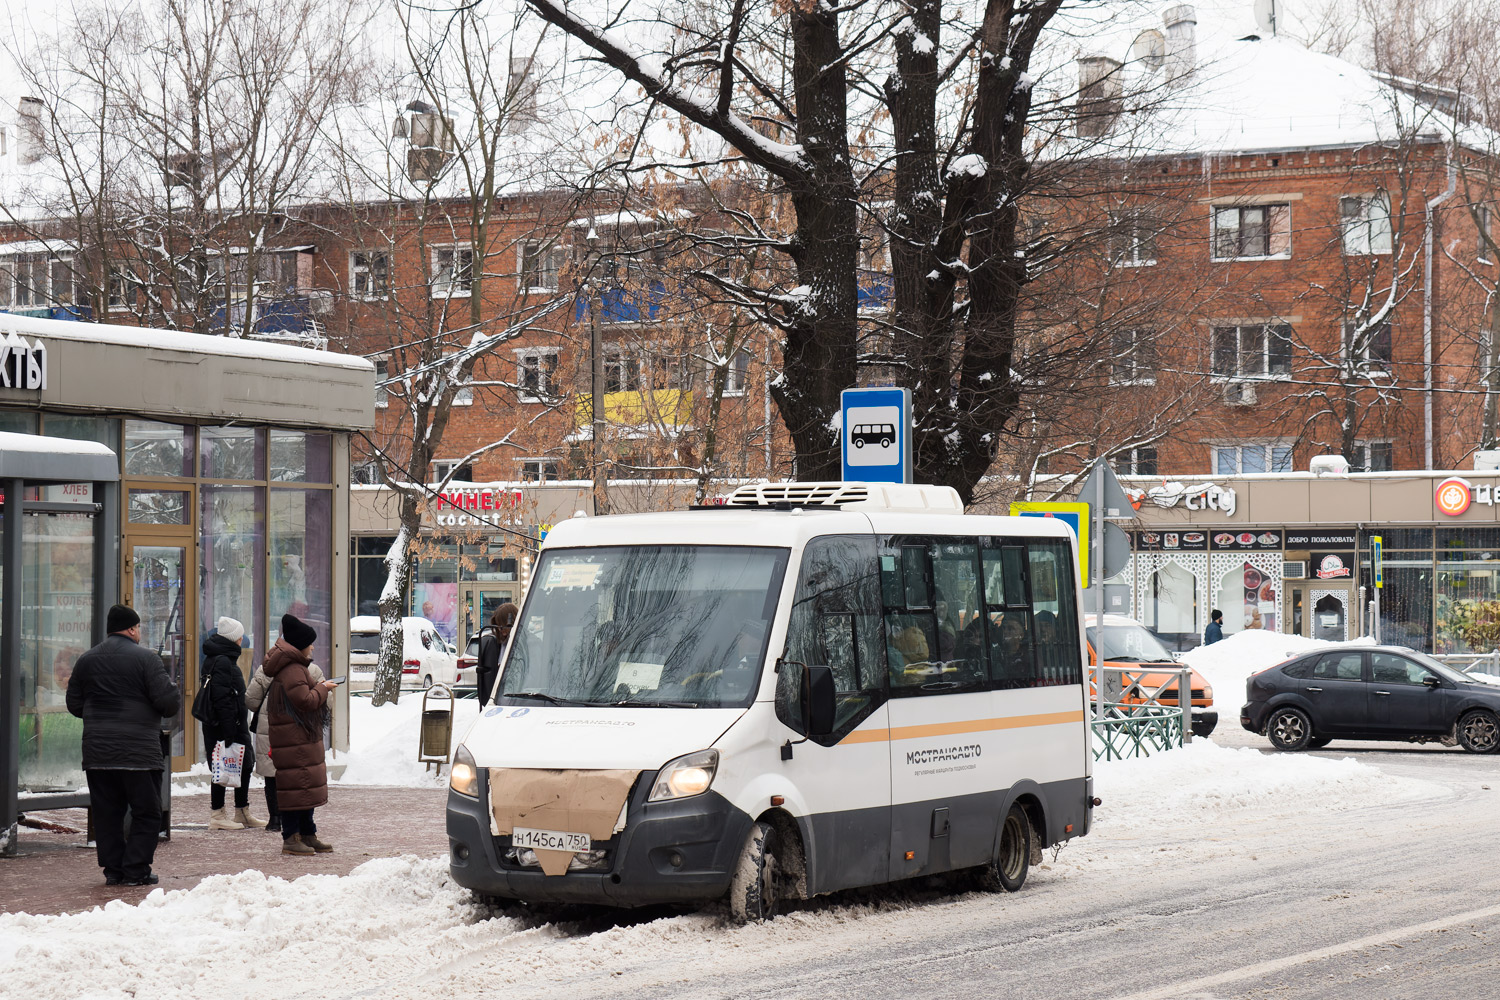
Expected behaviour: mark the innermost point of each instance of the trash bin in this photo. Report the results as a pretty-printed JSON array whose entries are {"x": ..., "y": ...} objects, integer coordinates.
[{"x": 436, "y": 736}]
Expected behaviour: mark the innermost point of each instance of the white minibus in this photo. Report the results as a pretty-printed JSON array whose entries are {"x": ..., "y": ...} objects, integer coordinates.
[{"x": 812, "y": 687}]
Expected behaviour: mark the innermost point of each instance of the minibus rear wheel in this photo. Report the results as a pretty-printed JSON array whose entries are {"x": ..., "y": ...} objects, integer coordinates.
[
  {"x": 756, "y": 885},
  {"x": 1008, "y": 871}
]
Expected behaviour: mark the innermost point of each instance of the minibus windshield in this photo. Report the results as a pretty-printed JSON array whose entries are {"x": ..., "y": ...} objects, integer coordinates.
[
  {"x": 681, "y": 626},
  {"x": 1130, "y": 644}
]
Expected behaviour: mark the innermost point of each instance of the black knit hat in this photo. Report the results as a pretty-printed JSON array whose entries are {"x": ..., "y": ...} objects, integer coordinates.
[
  {"x": 297, "y": 633},
  {"x": 121, "y": 618}
]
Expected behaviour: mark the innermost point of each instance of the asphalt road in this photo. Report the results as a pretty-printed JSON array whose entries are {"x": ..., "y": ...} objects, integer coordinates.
[{"x": 1382, "y": 901}]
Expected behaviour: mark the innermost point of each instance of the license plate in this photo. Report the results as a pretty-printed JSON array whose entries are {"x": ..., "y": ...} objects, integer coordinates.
[{"x": 550, "y": 840}]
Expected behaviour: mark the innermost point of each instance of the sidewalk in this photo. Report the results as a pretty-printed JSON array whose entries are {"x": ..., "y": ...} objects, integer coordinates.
[{"x": 56, "y": 872}]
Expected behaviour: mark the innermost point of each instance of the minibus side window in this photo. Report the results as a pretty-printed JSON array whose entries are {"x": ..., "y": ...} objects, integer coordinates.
[
  {"x": 1008, "y": 615},
  {"x": 835, "y": 621},
  {"x": 935, "y": 638},
  {"x": 1052, "y": 597}
]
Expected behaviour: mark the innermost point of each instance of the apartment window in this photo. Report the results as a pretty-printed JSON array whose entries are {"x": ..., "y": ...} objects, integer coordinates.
[
  {"x": 736, "y": 378},
  {"x": 622, "y": 373},
  {"x": 1138, "y": 461},
  {"x": 370, "y": 274},
  {"x": 539, "y": 470},
  {"x": 1132, "y": 240},
  {"x": 1371, "y": 346},
  {"x": 1249, "y": 231},
  {"x": 365, "y": 473},
  {"x": 535, "y": 374},
  {"x": 464, "y": 396},
  {"x": 1373, "y": 456},
  {"x": 1483, "y": 234},
  {"x": 441, "y": 468},
  {"x": 382, "y": 372},
  {"x": 123, "y": 286},
  {"x": 1366, "y": 223},
  {"x": 1133, "y": 358},
  {"x": 36, "y": 281},
  {"x": 1245, "y": 459},
  {"x": 452, "y": 272},
  {"x": 540, "y": 266},
  {"x": 1253, "y": 351}
]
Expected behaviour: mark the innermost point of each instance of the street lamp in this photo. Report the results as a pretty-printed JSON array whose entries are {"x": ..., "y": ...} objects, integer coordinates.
[{"x": 596, "y": 389}]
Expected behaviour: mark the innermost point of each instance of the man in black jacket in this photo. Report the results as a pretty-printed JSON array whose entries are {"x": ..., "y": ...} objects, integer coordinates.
[
  {"x": 492, "y": 642},
  {"x": 121, "y": 692}
]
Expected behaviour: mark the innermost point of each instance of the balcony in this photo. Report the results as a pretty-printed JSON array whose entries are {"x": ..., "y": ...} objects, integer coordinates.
[
  {"x": 288, "y": 320},
  {"x": 624, "y": 305}
]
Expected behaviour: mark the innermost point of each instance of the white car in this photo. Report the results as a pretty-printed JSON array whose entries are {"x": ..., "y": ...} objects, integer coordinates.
[{"x": 426, "y": 659}]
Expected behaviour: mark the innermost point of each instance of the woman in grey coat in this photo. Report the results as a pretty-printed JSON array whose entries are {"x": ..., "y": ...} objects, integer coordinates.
[{"x": 255, "y": 696}]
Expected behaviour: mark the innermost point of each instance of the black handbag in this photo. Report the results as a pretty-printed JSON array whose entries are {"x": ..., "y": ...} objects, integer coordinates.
[{"x": 202, "y": 704}]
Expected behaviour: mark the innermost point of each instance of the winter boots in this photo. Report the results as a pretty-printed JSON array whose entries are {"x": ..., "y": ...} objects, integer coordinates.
[
  {"x": 294, "y": 845},
  {"x": 321, "y": 846},
  {"x": 219, "y": 819},
  {"x": 243, "y": 818}
]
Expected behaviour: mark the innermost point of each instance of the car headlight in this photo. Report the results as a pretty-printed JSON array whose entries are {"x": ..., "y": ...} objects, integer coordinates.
[
  {"x": 463, "y": 777},
  {"x": 690, "y": 774}
]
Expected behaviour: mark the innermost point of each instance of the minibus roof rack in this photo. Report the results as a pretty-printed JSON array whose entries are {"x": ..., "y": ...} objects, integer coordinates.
[{"x": 911, "y": 497}]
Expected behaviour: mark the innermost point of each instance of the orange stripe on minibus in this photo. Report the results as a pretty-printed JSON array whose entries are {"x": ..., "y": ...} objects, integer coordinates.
[{"x": 956, "y": 728}]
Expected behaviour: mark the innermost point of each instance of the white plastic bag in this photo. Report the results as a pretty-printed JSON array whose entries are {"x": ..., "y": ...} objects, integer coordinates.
[{"x": 228, "y": 763}]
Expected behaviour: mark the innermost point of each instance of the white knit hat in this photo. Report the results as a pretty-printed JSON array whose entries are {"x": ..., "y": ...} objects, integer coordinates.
[{"x": 230, "y": 629}]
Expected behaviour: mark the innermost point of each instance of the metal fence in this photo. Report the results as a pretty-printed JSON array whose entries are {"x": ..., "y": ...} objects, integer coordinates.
[
  {"x": 1136, "y": 721},
  {"x": 1472, "y": 663}
]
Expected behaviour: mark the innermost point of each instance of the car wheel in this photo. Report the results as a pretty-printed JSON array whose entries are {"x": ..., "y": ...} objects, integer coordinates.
[
  {"x": 426, "y": 682},
  {"x": 1289, "y": 729},
  {"x": 1008, "y": 871},
  {"x": 756, "y": 885},
  {"x": 1319, "y": 741},
  {"x": 1202, "y": 727},
  {"x": 1479, "y": 731}
]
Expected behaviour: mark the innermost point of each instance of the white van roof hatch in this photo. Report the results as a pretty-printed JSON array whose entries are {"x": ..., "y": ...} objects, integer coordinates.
[{"x": 912, "y": 497}]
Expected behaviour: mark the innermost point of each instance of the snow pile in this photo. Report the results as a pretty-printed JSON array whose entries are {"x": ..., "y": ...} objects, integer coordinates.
[
  {"x": 1204, "y": 785},
  {"x": 383, "y": 742},
  {"x": 1227, "y": 663},
  {"x": 247, "y": 935}
]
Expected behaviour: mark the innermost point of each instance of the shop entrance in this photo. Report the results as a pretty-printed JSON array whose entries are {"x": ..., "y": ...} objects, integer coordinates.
[
  {"x": 158, "y": 585},
  {"x": 478, "y": 601},
  {"x": 1323, "y": 610}
]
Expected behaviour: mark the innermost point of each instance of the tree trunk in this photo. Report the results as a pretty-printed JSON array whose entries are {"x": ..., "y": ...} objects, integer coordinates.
[{"x": 392, "y": 606}]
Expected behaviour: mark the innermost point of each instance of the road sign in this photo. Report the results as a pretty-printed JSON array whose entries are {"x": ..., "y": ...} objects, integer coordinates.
[
  {"x": 1377, "y": 545},
  {"x": 1116, "y": 503},
  {"x": 1116, "y": 549},
  {"x": 877, "y": 435},
  {"x": 1074, "y": 515}
]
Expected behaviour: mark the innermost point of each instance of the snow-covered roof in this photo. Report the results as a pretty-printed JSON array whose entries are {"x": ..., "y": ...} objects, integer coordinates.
[{"x": 1248, "y": 90}]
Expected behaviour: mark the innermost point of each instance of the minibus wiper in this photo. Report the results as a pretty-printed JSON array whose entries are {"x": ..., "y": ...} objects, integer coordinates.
[
  {"x": 628, "y": 703},
  {"x": 540, "y": 696}
]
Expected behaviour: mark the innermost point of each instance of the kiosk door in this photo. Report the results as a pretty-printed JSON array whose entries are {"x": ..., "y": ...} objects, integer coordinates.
[
  {"x": 156, "y": 578},
  {"x": 478, "y": 602}
]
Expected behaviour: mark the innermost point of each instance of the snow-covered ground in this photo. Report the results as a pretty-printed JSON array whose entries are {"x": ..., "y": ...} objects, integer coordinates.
[{"x": 397, "y": 920}]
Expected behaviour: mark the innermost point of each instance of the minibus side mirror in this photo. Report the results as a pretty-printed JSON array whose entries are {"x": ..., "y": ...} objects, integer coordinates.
[{"x": 818, "y": 700}]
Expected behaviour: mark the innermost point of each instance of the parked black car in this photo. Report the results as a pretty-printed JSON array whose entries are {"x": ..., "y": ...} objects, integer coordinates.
[{"x": 1370, "y": 693}]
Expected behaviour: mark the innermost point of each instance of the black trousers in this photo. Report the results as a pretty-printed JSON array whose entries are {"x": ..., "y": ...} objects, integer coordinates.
[
  {"x": 242, "y": 793},
  {"x": 271, "y": 798},
  {"x": 111, "y": 792},
  {"x": 295, "y": 821}
]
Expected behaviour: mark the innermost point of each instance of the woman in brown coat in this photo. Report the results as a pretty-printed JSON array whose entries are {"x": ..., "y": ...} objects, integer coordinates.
[{"x": 295, "y": 707}]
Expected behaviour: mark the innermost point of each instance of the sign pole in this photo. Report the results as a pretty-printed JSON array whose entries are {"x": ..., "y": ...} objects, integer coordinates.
[
  {"x": 1099, "y": 599},
  {"x": 1377, "y": 571}
]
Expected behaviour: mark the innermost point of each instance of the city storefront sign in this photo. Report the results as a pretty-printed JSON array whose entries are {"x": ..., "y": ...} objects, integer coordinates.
[
  {"x": 473, "y": 508},
  {"x": 1201, "y": 496},
  {"x": 22, "y": 365},
  {"x": 1332, "y": 565},
  {"x": 1259, "y": 540},
  {"x": 1454, "y": 495},
  {"x": 1338, "y": 538},
  {"x": 1191, "y": 540}
]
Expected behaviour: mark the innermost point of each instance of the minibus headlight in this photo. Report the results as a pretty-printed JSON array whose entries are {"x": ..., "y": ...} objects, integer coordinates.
[
  {"x": 688, "y": 775},
  {"x": 463, "y": 777}
]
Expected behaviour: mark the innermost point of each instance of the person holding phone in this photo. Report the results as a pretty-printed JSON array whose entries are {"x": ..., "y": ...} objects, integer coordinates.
[
  {"x": 295, "y": 705},
  {"x": 260, "y": 723}
]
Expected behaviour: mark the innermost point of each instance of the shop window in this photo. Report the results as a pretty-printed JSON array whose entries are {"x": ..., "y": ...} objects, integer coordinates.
[
  {"x": 232, "y": 453},
  {"x": 1248, "y": 598},
  {"x": 300, "y": 457},
  {"x": 1255, "y": 351},
  {"x": 158, "y": 507},
  {"x": 101, "y": 430},
  {"x": 1170, "y": 604},
  {"x": 158, "y": 449},
  {"x": 1251, "y": 231},
  {"x": 299, "y": 568},
  {"x": 17, "y": 422},
  {"x": 232, "y": 523}
]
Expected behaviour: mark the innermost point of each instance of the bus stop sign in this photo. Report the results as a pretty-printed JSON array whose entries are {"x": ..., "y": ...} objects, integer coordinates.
[{"x": 876, "y": 435}]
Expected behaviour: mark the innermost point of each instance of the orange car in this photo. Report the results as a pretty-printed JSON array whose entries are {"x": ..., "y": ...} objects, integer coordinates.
[{"x": 1129, "y": 644}]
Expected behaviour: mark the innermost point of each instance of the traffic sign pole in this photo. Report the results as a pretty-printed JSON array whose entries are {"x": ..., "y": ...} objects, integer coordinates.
[{"x": 1377, "y": 571}]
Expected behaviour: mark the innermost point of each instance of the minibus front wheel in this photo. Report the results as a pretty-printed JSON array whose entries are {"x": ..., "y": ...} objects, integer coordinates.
[{"x": 755, "y": 887}]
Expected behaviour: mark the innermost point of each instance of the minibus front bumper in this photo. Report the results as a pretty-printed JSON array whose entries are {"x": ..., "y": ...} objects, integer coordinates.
[{"x": 677, "y": 851}]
